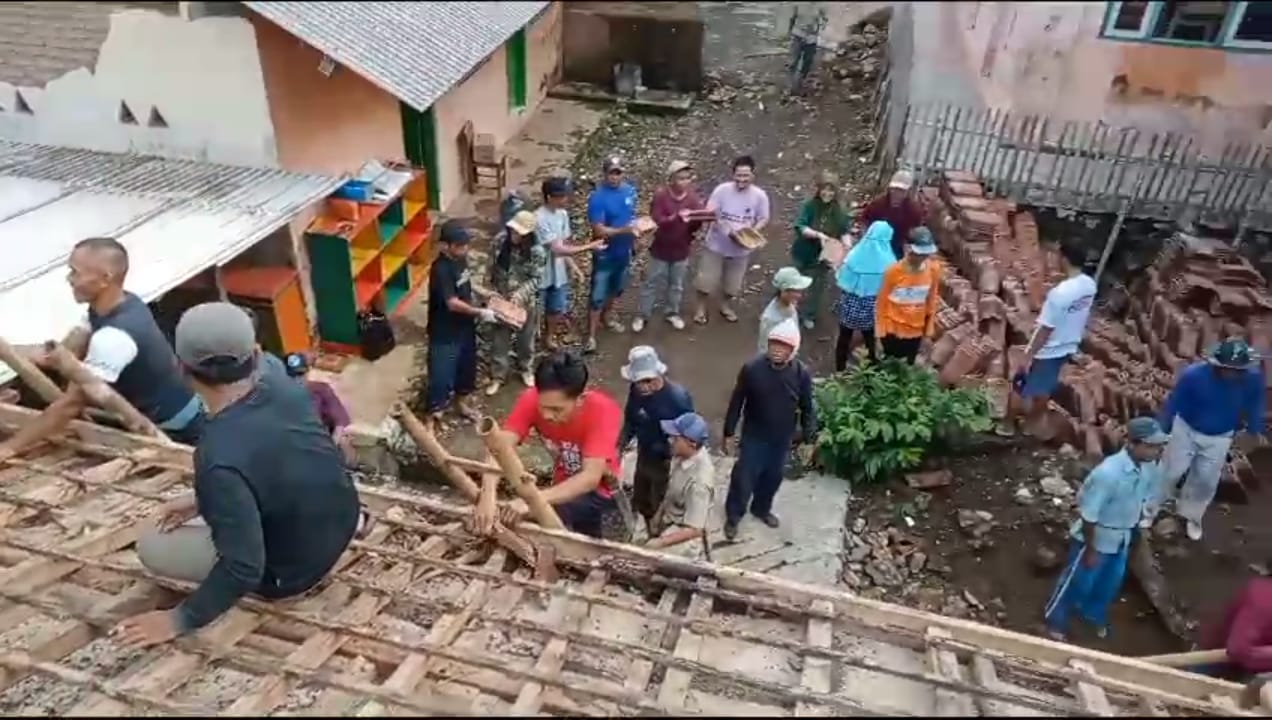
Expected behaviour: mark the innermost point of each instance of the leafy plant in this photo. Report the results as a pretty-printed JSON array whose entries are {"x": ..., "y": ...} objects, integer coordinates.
[{"x": 884, "y": 418}]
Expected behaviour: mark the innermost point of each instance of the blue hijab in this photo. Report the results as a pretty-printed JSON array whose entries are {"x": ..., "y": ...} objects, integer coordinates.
[{"x": 862, "y": 271}]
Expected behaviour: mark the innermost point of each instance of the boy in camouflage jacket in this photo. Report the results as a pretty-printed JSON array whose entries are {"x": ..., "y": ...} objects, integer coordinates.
[{"x": 516, "y": 274}]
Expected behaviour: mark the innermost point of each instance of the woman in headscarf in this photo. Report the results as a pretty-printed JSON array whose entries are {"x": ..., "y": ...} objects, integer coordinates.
[
  {"x": 821, "y": 219},
  {"x": 859, "y": 279}
]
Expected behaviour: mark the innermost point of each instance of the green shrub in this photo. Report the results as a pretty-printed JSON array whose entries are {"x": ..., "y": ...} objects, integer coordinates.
[{"x": 884, "y": 418}]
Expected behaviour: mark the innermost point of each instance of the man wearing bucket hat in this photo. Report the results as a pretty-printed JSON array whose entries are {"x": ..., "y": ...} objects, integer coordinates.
[
  {"x": 680, "y": 524},
  {"x": 906, "y": 306},
  {"x": 516, "y": 273},
  {"x": 895, "y": 207},
  {"x": 651, "y": 400},
  {"x": 1111, "y": 503},
  {"x": 1212, "y": 400},
  {"x": 773, "y": 398},
  {"x": 789, "y": 285}
]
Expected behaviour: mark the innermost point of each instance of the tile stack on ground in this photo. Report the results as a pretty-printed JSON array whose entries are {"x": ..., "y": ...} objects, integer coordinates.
[{"x": 1197, "y": 292}]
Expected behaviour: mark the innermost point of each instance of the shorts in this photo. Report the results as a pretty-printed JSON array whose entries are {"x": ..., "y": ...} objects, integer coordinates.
[
  {"x": 609, "y": 280},
  {"x": 1043, "y": 377},
  {"x": 556, "y": 300},
  {"x": 717, "y": 272}
]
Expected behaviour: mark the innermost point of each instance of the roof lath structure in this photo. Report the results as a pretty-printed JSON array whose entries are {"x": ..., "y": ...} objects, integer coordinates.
[{"x": 424, "y": 618}]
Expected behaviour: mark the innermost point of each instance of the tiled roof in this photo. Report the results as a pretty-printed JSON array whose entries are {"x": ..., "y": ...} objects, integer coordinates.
[
  {"x": 42, "y": 41},
  {"x": 414, "y": 50},
  {"x": 176, "y": 217}
]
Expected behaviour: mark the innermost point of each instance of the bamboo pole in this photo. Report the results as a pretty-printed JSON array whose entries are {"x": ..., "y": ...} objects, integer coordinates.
[
  {"x": 30, "y": 373},
  {"x": 514, "y": 472},
  {"x": 459, "y": 479},
  {"x": 1187, "y": 659},
  {"x": 72, "y": 369}
]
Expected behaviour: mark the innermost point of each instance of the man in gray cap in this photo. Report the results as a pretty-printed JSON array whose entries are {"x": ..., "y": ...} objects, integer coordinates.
[
  {"x": 1111, "y": 504},
  {"x": 651, "y": 400},
  {"x": 276, "y": 506}
]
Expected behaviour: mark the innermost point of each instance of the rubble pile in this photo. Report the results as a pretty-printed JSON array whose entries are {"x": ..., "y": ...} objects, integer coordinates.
[{"x": 1197, "y": 292}]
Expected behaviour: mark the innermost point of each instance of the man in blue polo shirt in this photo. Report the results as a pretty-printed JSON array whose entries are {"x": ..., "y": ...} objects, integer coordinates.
[{"x": 612, "y": 212}]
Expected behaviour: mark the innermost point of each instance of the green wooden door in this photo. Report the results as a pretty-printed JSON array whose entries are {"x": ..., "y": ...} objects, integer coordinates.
[
  {"x": 516, "y": 61},
  {"x": 419, "y": 132}
]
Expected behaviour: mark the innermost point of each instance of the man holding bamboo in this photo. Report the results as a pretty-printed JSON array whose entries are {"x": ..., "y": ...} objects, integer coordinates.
[
  {"x": 122, "y": 348},
  {"x": 581, "y": 428}
]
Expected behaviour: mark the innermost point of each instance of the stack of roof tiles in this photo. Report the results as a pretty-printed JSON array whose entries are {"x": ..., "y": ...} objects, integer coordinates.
[{"x": 1197, "y": 292}]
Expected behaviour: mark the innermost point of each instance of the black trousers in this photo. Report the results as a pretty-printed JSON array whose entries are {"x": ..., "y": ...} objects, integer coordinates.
[
  {"x": 843, "y": 346},
  {"x": 906, "y": 349}
]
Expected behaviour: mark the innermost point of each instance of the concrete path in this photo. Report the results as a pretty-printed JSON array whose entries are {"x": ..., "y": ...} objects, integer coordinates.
[{"x": 808, "y": 544}]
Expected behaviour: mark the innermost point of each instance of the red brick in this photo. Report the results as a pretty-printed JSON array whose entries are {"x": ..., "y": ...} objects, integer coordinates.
[
  {"x": 967, "y": 356},
  {"x": 991, "y": 307},
  {"x": 965, "y": 189},
  {"x": 1092, "y": 444}
]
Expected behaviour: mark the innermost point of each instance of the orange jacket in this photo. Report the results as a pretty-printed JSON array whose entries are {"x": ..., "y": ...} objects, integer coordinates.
[{"x": 907, "y": 300}]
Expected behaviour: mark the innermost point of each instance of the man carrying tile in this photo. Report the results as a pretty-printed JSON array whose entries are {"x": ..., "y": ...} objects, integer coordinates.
[{"x": 452, "y": 326}]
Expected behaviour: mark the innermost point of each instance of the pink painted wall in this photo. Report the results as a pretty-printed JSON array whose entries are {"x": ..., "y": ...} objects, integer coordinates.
[{"x": 1049, "y": 58}]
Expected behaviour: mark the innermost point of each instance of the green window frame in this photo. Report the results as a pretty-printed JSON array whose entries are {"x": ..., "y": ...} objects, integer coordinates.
[
  {"x": 1119, "y": 27},
  {"x": 517, "y": 67}
]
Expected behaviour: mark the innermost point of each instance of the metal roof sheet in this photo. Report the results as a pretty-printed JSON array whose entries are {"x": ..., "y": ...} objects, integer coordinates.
[
  {"x": 415, "y": 51},
  {"x": 176, "y": 217}
]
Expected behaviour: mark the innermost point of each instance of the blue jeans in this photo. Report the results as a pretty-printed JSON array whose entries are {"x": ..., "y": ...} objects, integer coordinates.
[
  {"x": 756, "y": 476},
  {"x": 609, "y": 280},
  {"x": 1089, "y": 590},
  {"x": 452, "y": 368},
  {"x": 584, "y": 515},
  {"x": 556, "y": 300},
  {"x": 801, "y": 61}
]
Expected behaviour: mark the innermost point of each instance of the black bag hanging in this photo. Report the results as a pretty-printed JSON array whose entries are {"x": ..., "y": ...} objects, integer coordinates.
[{"x": 375, "y": 335}]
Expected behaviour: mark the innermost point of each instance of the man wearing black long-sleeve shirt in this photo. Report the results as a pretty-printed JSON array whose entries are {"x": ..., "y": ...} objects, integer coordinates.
[
  {"x": 276, "y": 506},
  {"x": 773, "y": 398}
]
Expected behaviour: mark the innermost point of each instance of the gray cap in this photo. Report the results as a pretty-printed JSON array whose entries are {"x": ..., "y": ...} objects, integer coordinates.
[{"x": 214, "y": 330}]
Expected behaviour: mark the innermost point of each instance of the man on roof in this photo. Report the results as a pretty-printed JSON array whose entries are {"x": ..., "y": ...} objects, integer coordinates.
[{"x": 122, "y": 347}]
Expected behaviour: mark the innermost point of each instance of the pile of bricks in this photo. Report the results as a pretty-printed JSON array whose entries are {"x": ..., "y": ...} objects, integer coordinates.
[{"x": 997, "y": 274}]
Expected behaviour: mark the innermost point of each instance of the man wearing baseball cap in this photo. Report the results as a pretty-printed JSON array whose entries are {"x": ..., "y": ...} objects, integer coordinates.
[
  {"x": 908, "y": 299},
  {"x": 452, "y": 325},
  {"x": 672, "y": 208},
  {"x": 276, "y": 507},
  {"x": 896, "y": 207},
  {"x": 651, "y": 399},
  {"x": 1212, "y": 400},
  {"x": 612, "y": 212},
  {"x": 1111, "y": 504},
  {"x": 680, "y": 524}
]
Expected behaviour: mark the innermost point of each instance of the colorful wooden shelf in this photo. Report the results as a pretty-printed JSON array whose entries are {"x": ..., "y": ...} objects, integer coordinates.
[
  {"x": 367, "y": 255},
  {"x": 274, "y": 294}
]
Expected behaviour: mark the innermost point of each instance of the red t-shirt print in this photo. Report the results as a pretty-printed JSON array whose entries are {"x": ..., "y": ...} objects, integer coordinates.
[{"x": 592, "y": 432}]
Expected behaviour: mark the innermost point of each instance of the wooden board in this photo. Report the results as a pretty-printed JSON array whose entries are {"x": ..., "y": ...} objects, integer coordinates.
[{"x": 422, "y": 618}]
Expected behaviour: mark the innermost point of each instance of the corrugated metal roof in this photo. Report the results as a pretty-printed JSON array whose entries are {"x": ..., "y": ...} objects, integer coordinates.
[
  {"x": 414, "y": 50},
  {"x": 176, "y": 217}
]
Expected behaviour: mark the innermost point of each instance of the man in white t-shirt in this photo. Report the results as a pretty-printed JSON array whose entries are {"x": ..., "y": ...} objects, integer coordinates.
[
  {"x": 554, "y": 233},
  {"x": 1061, "y": 325}
]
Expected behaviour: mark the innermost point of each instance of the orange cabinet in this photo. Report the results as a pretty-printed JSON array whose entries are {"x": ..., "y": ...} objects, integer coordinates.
[{"x": 274, "y": 294}]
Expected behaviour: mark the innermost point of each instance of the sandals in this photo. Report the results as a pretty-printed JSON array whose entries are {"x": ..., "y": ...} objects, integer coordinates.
[{"x": 728, "y": 314}]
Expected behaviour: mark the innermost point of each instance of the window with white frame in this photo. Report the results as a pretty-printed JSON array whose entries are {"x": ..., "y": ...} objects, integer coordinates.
[{"x": 1246, "y": 25}]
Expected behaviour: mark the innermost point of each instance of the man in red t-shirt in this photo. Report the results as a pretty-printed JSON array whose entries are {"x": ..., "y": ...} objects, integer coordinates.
[{"x": 581, "y": 429}]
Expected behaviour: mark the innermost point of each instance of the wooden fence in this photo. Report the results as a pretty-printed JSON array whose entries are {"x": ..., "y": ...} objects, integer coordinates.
[{"x": 1085, "y": 166}]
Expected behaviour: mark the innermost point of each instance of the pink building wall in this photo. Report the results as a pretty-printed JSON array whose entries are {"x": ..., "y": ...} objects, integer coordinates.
[{"x": 1049, "y": 59}]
